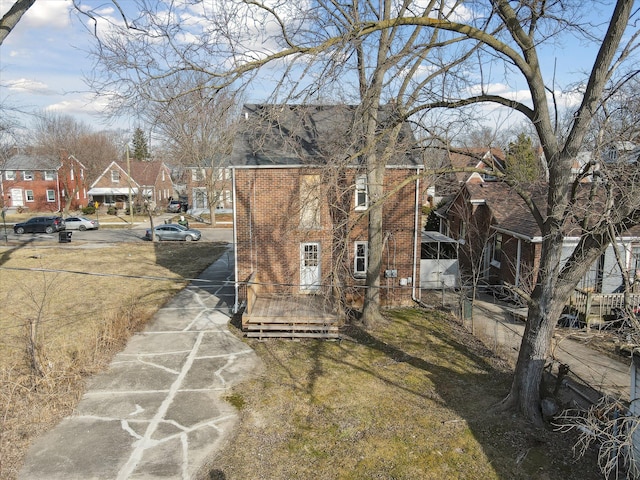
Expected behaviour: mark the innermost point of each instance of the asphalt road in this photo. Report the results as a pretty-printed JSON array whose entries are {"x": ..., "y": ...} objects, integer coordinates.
[{"x": 108, "y": 235}]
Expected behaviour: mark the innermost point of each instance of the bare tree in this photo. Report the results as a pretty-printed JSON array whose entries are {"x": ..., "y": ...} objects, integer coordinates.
[
  {"x": 11, "y": 18},
  {"x": 197, "y": 127},
  {"x": 53, "y": 134},
  {"x": 415, "y": 53}
]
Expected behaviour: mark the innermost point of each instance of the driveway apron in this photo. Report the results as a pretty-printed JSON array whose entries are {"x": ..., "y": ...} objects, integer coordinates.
[{"x": 159, "y": 409}]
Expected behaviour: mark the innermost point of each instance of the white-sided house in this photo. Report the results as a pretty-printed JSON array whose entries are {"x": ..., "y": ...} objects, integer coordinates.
[{"x": 438, "y": 261}]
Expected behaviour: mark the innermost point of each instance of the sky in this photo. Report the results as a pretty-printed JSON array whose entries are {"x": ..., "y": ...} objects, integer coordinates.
[
  {"x": 42, "y": 63},
  {"x": 44, "y": 60}
]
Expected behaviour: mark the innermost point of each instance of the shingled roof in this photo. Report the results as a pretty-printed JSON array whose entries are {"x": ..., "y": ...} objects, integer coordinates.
[
  {"x": 308, "y": 135},
  {"x": 511, "y": 214},
  {"x": 21, "y": 161}
]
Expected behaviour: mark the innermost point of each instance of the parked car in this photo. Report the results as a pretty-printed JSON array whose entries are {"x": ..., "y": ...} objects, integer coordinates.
[
  {"x": 174, "y": 206},
  {"x": 81, "y": 223},
  {"x": 40, "y": 225},
  {"x": 172, "y": 231}
]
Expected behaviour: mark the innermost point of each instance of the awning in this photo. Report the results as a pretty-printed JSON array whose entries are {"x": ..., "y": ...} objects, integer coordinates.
[
  {"x": 433, "y": 237},
  {"x": 112, "y": 191}
]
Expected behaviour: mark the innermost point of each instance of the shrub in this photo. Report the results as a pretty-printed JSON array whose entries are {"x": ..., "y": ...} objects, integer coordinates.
[
  {"x": 112, "y": 210},
  {"x": 89, "y": 210}
]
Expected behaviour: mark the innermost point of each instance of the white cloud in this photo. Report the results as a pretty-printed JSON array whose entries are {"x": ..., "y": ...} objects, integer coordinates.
[
  {"x": 79, "y": 105},
  {"x": 25, "y": 85}
]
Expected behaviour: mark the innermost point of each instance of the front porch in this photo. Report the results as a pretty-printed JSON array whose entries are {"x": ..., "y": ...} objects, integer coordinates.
[{"x": 269, "y": 315}]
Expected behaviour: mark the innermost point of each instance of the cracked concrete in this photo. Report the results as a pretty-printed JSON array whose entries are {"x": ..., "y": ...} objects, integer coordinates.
[{"x": 158, "y": 411}]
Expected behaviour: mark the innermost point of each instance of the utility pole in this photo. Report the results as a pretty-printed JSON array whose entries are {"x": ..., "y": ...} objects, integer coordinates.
[{"x": 129, "y": 175}]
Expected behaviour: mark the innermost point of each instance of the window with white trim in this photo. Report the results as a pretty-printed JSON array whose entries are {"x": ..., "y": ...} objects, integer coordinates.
[
  {"x": 10, "y": 175},
  {"x": 50, "y": 175},
  {"x": 29, "y": 195},
  {"x": 115, "y": 176},
  {"x": 51, "y": 195},
  {"x": 197, "y": 174},
  {"x": 361, "y": 194},
  {"x": 360, "y": 259},
  {"x": 27, "y": 175}
]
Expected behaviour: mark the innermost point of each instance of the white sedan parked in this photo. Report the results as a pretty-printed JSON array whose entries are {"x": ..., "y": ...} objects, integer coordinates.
[{"x": 81, "y": 223}]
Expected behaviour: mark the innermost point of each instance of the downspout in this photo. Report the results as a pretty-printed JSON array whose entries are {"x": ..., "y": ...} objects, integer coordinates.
[
  {"x": 236, "y": 305},
  {"x": 518, "y": 256},
  {"x": 416, "y": 236},
  {"x": 58, "y": 188}
]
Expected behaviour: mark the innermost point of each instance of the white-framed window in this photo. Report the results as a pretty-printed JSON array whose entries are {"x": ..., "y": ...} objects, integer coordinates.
[
  {"x": 360, "y": 259},
  {"x": 29, "y": 195},
  {"x": 197, "y": 174},
  {"x": 10, "y": 175},
  {"x": 223, "y": 173},
  {"x": 115, "y": 176},
  {"x": 51, "y": 195},
  {"x": 163, "y": 177},
  {"x": 361, "y": 194},
  {"x": 27, "y": 175},
  {"x": 496, "y": 254},
  {"x": 71, "y": 174},
  {"x": 50, "y": 175}
]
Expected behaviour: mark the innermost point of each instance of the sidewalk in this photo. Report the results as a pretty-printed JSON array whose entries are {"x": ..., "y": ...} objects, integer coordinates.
[
  {"x": 159, "y": 409},
  {"x": 588, "y": 368}
]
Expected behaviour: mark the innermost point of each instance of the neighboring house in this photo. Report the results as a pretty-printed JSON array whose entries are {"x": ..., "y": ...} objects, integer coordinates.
[
  {"x": 508, "y": 242},
  {"x": 205, "y": 183},
  {"x": 488, "y": 159},
  {"x": 42, "y": 183},
  {"x": 462, "y": 162},
  {"x": 300, "y": 213},
  {"x": 144, "y": 181}
]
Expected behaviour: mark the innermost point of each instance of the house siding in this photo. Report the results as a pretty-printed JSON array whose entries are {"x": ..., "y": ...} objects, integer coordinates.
[{"x": 269, "y": 232}]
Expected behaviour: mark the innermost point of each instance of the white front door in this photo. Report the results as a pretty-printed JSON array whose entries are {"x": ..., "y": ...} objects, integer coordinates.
[
  {"x": 17, "y": 200},
  {"x": 309, "y": 267}
]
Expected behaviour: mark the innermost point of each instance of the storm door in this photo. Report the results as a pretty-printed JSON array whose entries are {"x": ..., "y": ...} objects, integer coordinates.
[{"x": 309, "y": 267}]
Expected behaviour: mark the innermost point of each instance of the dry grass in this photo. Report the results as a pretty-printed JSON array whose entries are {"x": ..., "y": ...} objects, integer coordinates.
[
  {"x": 82, "y": 305},
  {"x": 409, "y": 400}
]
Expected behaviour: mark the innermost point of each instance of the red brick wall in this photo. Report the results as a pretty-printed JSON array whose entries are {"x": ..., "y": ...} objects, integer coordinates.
[
  {"x": 62, "y": 185},
  {"x": 269, "y": 232}
]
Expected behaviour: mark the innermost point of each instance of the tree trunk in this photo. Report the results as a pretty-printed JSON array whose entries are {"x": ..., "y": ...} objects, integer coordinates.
[{"x": 375, "y": 184}]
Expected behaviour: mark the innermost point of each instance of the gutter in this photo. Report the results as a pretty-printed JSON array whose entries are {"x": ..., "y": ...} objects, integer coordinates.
[{"x": 416, "y": 229}]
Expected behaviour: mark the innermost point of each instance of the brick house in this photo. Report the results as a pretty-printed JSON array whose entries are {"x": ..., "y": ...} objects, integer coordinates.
[
  {"x": 300, "y": 215},
  {"x": 502, "y": 238},
  {"x": 145, "y": 180},
  {"x": 202, "y": 183},
  {"x": 42, "y": 183}
]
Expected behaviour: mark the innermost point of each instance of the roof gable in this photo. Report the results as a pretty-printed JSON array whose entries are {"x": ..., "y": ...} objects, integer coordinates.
[{"x": 307, "y": 135}]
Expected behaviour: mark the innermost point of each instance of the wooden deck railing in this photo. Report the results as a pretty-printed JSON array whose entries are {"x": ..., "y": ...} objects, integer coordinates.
[
  {"x": 253, "y": 288},
  {"x": 598, "y": 305}
]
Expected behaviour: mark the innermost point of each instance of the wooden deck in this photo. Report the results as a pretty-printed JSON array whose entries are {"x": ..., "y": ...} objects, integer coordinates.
[{"x": 292, "y": 316}]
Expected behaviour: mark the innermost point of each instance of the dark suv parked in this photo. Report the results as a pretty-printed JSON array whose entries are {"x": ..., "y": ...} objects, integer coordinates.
[{"x": 40, "y": 225}]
